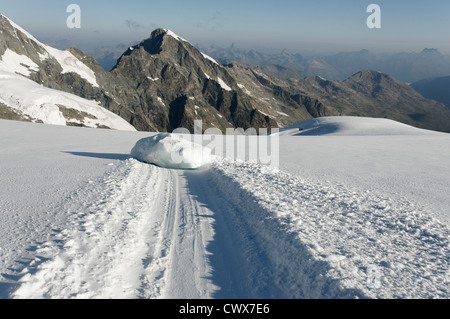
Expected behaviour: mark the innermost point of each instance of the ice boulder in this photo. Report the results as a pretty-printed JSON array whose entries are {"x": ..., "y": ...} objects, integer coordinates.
[{"x": 173, "y": 151}]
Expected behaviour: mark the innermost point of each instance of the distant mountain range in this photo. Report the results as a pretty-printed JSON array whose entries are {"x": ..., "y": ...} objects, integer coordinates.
[
  {"x": 404, "y": 66},
  {"x": 164, "y": 82}
]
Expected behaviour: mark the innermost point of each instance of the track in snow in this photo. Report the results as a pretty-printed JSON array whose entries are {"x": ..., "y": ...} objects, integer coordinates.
[
  {"x": 234, "y": 231},
  {"x": 372, "y": 245},
  {"x": 136, "y": 234}
]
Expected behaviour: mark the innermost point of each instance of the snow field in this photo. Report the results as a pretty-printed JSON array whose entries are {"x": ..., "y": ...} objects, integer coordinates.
[
  {"x": 81, "y": 219},
  {"x": 351, "y": 232},
  {"x": 238, "y": 230},
  {"x": 12, "y": 62}
]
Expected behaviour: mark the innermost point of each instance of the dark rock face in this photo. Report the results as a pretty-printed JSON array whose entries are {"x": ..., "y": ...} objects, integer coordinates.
[{"x": 174, "y": 81}]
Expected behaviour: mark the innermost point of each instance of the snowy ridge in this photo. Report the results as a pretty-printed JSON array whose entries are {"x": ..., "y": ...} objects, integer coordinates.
[
  {"x": 19, "y": 28},
  {"x": 352, "y": 126},
  {"x": 175, "y": 36},
  {"x": 66, "y": 59},
  {"x": 209, "y": 58},
  {"x": 70, "y": 64}
]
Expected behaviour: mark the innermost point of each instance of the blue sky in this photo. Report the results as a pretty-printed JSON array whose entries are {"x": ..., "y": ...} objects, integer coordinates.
[{"x": 320, "y": 25}]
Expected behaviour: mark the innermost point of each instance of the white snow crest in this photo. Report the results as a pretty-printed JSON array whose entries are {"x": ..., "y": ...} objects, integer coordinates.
[
  {"x": 223, "y": 85},
  {"x": 67, "y": 60},
  {"x": 209, "y": 58},
  {"x": 19, "y": 28},
  {"x": 352, "y": 126},
  {"x": 175, "y": 36}
]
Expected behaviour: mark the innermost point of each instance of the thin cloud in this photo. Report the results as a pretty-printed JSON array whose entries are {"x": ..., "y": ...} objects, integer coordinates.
[
  {"x": 134, "y": 25},
  {"x": 137, "y": 26}
]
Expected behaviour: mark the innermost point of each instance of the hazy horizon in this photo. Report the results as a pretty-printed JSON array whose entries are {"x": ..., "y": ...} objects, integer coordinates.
[{"x": 320, "y": 27}]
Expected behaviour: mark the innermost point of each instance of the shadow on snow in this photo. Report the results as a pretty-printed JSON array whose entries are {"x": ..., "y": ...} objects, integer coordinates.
[{"x": 253, "y": 255}]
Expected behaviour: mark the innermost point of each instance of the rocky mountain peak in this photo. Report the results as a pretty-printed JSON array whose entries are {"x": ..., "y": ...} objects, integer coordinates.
[
  {"x": 371, "y": 78},
  {"x": 181, "y": 84},
  {"x": 430, "y": 51}
]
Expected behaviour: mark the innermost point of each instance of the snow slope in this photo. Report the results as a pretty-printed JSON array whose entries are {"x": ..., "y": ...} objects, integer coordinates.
[
  {"x": 15, "y": 63},
  {"x": 68, "y": 62},
  {"x": 82, "y": 219},
  {"x": 351, "y": 126},
  {"x": 44, "y": 104},
  {"x": 35, "y": 102},
  {"x": 373, "y": 154}
]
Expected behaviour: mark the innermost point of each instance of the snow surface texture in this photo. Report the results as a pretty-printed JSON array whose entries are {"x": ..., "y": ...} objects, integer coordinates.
[
  {"x": 90, "y": 222},
  {"x": 172, "y": 151},
  {"x": 373, "y": 246}
]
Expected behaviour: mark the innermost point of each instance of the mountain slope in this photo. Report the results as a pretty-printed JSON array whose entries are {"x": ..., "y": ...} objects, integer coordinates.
[
  {"x": 375, "y": 94},
  {"x": 435, "y": 88},
  {"x": 29, "y": 70},
  {"x": 174, "y": 84}
]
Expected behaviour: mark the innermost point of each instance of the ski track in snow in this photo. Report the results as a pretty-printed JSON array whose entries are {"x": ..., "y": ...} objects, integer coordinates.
[
  {"x": 237, "y": 230},
  {"x": 138, "y": 237}
]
